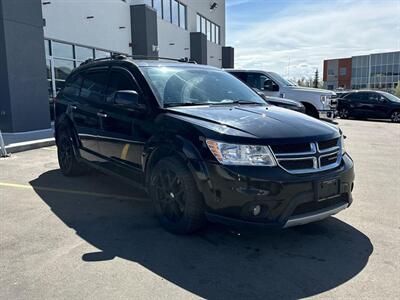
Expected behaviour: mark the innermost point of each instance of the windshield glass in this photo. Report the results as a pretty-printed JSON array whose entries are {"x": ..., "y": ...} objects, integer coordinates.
[
  {"x": 281, "y": 80},
  {"x": 177, "y": 86},
  {"x": 390, "y": 96}
]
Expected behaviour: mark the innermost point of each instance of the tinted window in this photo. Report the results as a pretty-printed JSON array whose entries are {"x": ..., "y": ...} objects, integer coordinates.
[
  {"x": 73, "y": 86},
  {"x": 256, "y": 80},
  {"x": 119, "y": 81},
  {"x": 94, "y": 85},
  {"x": 241, "y": 75},
  {"x": 374, "y": 97}
]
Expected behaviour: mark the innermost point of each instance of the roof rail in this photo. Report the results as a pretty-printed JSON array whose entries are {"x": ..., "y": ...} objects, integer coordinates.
[{"x": 122, "y": 56}]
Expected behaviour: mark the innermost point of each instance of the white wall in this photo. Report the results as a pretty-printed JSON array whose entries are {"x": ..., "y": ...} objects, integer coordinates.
[
  {"x": 173, "y": 41},
  {"x": 66, "y": 20}
]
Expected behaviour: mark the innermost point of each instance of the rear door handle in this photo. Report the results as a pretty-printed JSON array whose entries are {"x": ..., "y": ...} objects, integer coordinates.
[{"x": 102, "y": 115}]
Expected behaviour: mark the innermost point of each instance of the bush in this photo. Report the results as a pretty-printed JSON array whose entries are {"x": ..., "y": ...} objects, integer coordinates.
[{"x": 397, "y": 92}]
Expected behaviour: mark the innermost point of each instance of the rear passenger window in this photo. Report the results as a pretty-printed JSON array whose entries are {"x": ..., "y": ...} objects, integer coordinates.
[
  {"x": 119, "y": 81},
  {"x": 93, "y": 86},
  {"x": 73, "y": 86}
]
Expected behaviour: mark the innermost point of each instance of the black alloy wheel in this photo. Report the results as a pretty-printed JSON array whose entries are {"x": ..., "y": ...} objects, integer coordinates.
[
  {"x": 344, "y": 113},
  {"x": 69, "y": 165},
  {"x": 395, "y": 117},
  {"x": 177, "y": 202}
]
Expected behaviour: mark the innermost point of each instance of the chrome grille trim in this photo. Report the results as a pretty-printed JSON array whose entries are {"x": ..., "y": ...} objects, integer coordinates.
[{"x": 315, "y": 155}]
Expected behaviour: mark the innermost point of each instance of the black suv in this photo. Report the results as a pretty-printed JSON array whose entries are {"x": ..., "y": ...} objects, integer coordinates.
[
  {"x": 369, "y": 104},
  {"x": 203, "y": 144}
]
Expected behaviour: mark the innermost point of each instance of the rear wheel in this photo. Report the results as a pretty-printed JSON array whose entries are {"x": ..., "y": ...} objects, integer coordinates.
[
  {"x": 177, "y": 202},
  {"x": 395, "y": 116},
  {"x": 344, "y": 113},
  {"x": 69, "y": 165}
]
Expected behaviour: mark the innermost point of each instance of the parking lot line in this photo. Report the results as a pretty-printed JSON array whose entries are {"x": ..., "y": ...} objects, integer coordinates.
[{"x": 67, "y": 191}]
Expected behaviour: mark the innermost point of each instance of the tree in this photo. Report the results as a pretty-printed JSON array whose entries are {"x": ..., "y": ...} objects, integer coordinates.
[
  {"x": 397, "y": 92},
  {"x": 316, "y": 79}
]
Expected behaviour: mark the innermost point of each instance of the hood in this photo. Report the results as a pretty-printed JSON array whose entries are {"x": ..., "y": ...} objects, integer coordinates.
[
  {"x": 311, "y": 90},
  {"x": 283, "y": 101},
  {"x": 270, "y": 123}
]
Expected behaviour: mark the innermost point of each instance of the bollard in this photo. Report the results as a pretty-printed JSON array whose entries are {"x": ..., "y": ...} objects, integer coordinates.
[{"x": 3, "y": 151}]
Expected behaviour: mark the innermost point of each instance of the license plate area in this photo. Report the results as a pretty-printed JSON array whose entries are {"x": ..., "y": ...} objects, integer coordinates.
[{"x": 328, "y": 189}]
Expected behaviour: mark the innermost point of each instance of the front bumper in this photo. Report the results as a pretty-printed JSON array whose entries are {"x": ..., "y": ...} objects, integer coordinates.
[
  {"x": 286, "y": 200},
  {"x": 327, "y": 114}
]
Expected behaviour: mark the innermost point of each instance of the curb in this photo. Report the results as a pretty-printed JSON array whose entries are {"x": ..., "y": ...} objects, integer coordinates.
[{"x": 30, "y": 145}]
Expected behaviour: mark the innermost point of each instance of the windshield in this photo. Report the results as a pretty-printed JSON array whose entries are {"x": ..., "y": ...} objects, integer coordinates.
[
  {"x": 390, "y": 96},
  {"x": 178, "y": 86},
  {"x": 281, "y": 80}
]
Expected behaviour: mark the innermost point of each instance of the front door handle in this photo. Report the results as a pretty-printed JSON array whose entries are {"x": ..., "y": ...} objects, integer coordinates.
[{"x": 102, "y": 115}]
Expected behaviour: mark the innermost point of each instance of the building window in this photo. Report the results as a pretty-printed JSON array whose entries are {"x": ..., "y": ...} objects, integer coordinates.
[
  {"x": 172, "y": 11},
  {"x": 210, "y": 29},
  {"x": 83, "y": 53},
  {"x": 175, "y": 12},
  {"x": 62, "y": 50},
  {"x": 331, "y": 72},
  {"x": 343, "y": 71},
  {"x": 157, "y": 5},
  {"x": 167, "y": 10},
  {"x": 182, "y": 16}
]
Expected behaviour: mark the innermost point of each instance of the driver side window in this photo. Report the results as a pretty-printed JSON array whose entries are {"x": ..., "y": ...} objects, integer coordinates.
[
  {"x": 257, "y": 80},
  {"x": 119, "y": 81}
]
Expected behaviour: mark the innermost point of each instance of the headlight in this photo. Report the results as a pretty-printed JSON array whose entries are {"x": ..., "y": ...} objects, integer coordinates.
[
  {"x": 241, "y": 155},
  {"x": 324, "y": 99},
  {"x": 343, "y": 148}
]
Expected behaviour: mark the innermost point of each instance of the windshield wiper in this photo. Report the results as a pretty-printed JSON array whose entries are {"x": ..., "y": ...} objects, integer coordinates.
[
  {"x": 235, "y": 102},
  {"x": 175, "y": 104}
]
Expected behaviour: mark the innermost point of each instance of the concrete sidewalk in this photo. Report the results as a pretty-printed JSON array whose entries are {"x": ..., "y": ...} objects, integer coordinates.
[{"x": 22, "y": 141}]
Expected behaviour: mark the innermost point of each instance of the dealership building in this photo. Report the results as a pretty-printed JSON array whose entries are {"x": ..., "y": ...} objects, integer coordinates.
[
  {"x": 378, "y": 71},
  {"x": 58, "y": 35}
]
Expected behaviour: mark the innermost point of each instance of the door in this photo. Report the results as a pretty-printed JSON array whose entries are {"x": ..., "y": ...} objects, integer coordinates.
[
  {"x": 380, "y": 107},
  {"x": 123, "y": 136},
  {"x": 263, "y": 83},
  {"x": 86, "y": 110}
]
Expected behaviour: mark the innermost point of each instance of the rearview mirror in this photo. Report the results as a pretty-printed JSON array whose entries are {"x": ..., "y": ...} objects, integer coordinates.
[{"x": 128, "y": 99}]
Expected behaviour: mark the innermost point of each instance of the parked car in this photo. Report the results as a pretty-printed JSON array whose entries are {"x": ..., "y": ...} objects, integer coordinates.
[
  {"x": 203, "y": 144},
  {"x": 369, "y": 104},
  {"x": 319, "y": 103},
  {"x": 281, "y": 102}
]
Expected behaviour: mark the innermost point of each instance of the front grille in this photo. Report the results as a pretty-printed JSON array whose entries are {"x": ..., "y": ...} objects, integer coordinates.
[
  {"x": 324, "y": 145},
  {"x": 328, "y": 159},
  {"x": 308, "y": 157},
  {"x": 291, "y": 148},
  {"x": 298, "y": 164},
  {"x": 317, "y": 205}
]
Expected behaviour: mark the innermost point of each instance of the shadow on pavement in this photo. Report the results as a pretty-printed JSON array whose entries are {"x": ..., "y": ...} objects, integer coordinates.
[{"x": 217, "y": 263}]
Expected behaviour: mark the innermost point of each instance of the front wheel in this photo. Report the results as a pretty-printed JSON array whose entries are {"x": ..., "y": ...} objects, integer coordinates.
[
  {"x": 177, "y": 202},
  {"x": 395, "y": 116},
  {"x": 344, "y": 113}
]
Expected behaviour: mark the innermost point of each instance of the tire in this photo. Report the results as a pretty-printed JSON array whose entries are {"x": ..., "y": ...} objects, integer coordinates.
[
  {"x": 177, "y": 202},
  {"x": 395, "y": 116},
  {"x": 311, "y": 111},
  {"x": 344, "y": 113},
  {"x": 69, "y": 165}
]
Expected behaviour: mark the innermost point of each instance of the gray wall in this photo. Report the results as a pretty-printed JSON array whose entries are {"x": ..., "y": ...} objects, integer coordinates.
[
  {"x": 198, "y": 47},
  {"x": 144, "y": 30},
  {"x": 24, "y": 102}
]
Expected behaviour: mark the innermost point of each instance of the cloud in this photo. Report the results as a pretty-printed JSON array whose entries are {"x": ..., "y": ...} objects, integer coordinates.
[{"x": 303, "y": 34}]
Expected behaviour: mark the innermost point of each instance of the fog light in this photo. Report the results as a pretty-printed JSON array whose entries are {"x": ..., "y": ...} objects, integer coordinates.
[{"x": 256, "y": 210}]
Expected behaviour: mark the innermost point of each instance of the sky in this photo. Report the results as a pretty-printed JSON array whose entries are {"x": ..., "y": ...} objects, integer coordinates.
[{"x": 293, "y": 37}]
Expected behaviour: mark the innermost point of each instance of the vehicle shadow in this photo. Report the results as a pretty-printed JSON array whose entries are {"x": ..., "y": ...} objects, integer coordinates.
[{"x": 217, "y": 263}]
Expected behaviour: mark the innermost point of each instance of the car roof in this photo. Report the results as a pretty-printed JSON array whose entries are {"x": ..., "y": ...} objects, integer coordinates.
[{"x": 245, "y": 70}]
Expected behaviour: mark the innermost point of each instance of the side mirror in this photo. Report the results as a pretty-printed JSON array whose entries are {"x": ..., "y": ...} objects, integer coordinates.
[{"x": 128, "y": 99}]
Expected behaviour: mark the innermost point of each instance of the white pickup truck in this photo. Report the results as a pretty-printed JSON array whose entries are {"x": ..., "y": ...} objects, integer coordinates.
[{"x": 319, "y": 103}]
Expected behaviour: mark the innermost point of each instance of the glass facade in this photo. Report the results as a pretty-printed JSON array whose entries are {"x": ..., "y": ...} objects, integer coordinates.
[
  {"x": 62, "y": 58},
  {"x": 379, "y": 71},
  {"x": 172, "y": 11},
  {"x": 209, "y": 28}
]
